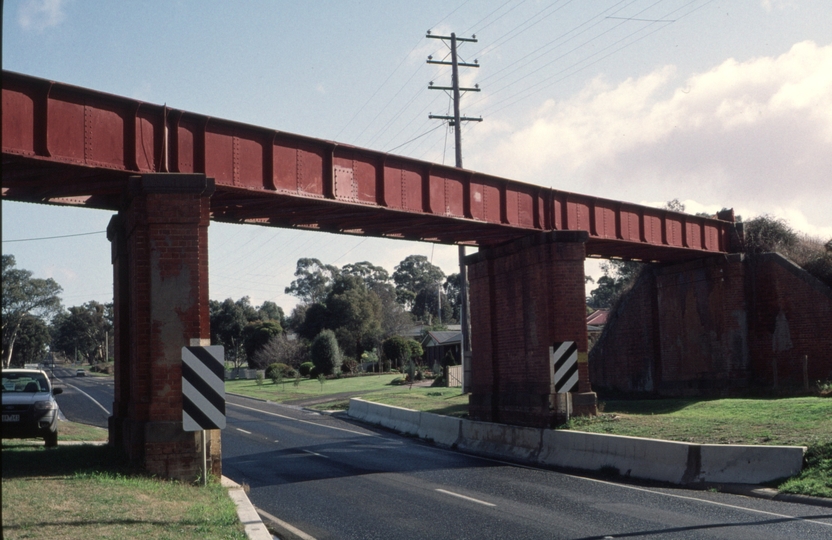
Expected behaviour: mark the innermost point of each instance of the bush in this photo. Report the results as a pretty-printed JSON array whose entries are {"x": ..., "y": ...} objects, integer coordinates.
[
  {"x": 398, "y": 381},
  {"x": 313, "y": 373},
  {"x": 306, "y": 368},
  {"x": 439, "y": 381},
  {"x": 766, "y": 233},
  {"x": 326, "y": 355},
  {"x": 279, "y": 369},
  {"x": 349, "y": 365}
]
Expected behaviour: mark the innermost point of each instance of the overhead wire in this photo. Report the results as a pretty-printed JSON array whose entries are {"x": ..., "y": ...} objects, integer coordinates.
[{"x": 529, "y": 91}]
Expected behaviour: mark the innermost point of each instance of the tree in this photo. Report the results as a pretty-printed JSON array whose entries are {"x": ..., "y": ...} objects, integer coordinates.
[
  {"x": 32, "y": 342},
  {"x": 453, "y": 293},
  {"x": 228, "y": 320},
  {"x": 354, "y": 314},
  {"x": 314, "y": 280},
  {"x": 325, "y": 353},
  {"x": 257, "y": 334},
  {"x": 270, "y": 311},
  {"x": 766, "y": 233},
  {"x": 426, "y": 307},
  {"x": 399, "y": 350},
  {"x": 618, "y": 276},
  {"x": 82, "y": 331},
  {"x": 280, "y": 349},
  {"x": 374, "y": 277},
  {"x": 414, "y": 274},
  {"x": 24, "y": 295}
]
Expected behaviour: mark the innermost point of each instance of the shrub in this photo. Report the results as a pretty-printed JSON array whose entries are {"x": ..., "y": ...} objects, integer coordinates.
[
  {"x": 766, "y": 233},
  {"x": 350, "y": 365},
  {"x": 398, "y": 381},
  {"x": 313, "y": 373},
  {"x": 439, "y": 381},
  {"x": 306, "y": 368},
  {"x": 280, "y": 369},
  {"x": 326, "y": 355}
]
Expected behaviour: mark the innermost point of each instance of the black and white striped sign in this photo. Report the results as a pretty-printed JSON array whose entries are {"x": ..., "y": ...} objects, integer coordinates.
[
  {"x": 563, "y": 363},
  {"x": 203, "y": 388}
]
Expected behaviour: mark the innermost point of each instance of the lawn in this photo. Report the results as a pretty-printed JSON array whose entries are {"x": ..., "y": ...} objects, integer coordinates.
[
  {"x": 800, "y": 421},
  {"x": 86, "y": 491}
]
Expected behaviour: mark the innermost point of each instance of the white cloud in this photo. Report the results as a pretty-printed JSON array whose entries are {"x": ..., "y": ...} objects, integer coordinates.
[
  {"x": 754, "y": 134},
  {"x": 40, "y": 14}
]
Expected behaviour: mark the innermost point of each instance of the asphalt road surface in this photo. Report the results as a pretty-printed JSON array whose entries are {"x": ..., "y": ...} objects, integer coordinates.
[
  {"x": 334, "y": 478},
  {"x": 88, "y": 400}
]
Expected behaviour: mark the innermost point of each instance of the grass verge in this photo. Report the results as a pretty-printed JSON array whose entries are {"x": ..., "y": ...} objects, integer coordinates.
[
  {"x": 335, "y": 393},
  {"x": 87, "y": 491},
  {"x": 803, "y": 421}
]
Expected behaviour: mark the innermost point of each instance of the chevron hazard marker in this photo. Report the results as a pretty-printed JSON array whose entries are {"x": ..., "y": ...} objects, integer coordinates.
[
  {"x": 563, "y": 364},
  {"x": 203, "y": 388}
]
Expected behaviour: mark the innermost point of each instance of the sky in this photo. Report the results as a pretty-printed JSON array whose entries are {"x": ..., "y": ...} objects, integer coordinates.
[{"x": 715, "y": 103}]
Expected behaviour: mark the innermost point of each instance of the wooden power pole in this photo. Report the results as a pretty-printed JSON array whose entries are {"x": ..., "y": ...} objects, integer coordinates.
[{"x": 456, "y": 121}]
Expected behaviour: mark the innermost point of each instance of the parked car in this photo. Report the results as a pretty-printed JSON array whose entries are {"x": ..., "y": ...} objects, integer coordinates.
[
  {"x": 29, "y": 406},
  {"x": 80, "y": 373}
]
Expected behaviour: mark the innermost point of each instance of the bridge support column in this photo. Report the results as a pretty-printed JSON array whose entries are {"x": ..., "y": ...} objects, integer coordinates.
[
  {"x": 526, "y": 296},
  {"x": 160, "y": 265}
]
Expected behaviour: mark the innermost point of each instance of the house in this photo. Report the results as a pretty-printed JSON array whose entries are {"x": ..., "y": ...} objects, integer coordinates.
[
  {"x": 595, "y": 322},
  {"x": 436, "y": 343}
]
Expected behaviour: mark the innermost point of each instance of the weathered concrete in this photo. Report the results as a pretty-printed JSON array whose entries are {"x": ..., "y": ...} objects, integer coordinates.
[{"x": 634, "y": 457}]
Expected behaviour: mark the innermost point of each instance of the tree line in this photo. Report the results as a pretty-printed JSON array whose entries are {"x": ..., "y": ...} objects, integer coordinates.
[
  {"x": 347, "y": 316},
  {"x": 359, "y": 309}
]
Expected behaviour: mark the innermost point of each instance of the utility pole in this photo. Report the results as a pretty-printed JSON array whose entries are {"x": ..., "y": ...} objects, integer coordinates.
[{"x": 456, "y": 122}]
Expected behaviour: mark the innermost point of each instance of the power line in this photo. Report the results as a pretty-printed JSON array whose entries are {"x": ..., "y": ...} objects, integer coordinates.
[
  {"x": 54, "y": 237},
  {"x": 417, "y": 137}
]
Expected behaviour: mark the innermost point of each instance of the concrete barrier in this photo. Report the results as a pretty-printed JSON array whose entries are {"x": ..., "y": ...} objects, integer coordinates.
[
  {"x": 444, "y": 430},
  {"x": 650, "y": 459},
  {"x": 739, "y": 464},
  {"x": 403, "y": 420},
  {"x": 635, "y": 457},
  {"x": 516, "y": 442}
]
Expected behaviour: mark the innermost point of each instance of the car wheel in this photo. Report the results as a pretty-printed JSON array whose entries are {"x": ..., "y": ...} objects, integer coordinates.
[{"x": 51, "y": 439}]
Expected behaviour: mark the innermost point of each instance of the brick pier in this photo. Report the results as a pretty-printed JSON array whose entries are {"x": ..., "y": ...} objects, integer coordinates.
[
  {"x": 525, "y": 296},
  {"x": 160, "y": 274}
]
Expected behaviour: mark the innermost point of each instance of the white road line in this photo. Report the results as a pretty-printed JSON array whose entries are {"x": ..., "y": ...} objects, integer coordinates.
[
  {"x": 292, "y": 530},
  {"x": 302, "y": 421},
  {"x": 314, "y": 453},
  {"x": 452, "y": 494},
  {"x": 244, "y": 431},
  {"x": 89, "y": 396},
  {"x": 625, "y": 486},
  {"x": 715, "y": 503}
]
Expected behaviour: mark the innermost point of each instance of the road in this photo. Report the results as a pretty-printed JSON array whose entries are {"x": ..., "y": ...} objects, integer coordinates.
[
  {"x": 334, "y": 478},
  {"x": 88, "y": 400}
]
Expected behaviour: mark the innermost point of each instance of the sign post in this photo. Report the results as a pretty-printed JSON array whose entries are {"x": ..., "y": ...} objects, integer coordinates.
[
  {"x": 563, "y": 368},
  {"x": 203, "y": 392}
]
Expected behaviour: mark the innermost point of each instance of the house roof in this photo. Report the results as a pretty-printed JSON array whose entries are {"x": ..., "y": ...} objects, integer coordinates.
[
  {"x": 598, "y": 318},
  {"x": 443, "y": 337}
]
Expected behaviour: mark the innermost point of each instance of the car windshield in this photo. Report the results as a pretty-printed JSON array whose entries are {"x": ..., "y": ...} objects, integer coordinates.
[{"x": 24, "y": 382}]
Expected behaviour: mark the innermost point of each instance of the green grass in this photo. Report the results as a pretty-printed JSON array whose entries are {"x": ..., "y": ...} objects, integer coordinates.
[
  {"x": 73, "y": 431},
  {"x": 377, "y": 388},
  {"x": 88, "y": 492},
  {"x": 803, "y": 421}
]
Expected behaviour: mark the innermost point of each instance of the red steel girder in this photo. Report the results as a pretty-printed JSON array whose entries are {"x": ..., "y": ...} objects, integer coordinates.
[{"x": 63, "y": 144}]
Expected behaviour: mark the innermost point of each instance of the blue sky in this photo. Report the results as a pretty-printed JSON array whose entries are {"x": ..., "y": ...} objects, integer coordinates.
[{"x": 712, "y": 102}]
